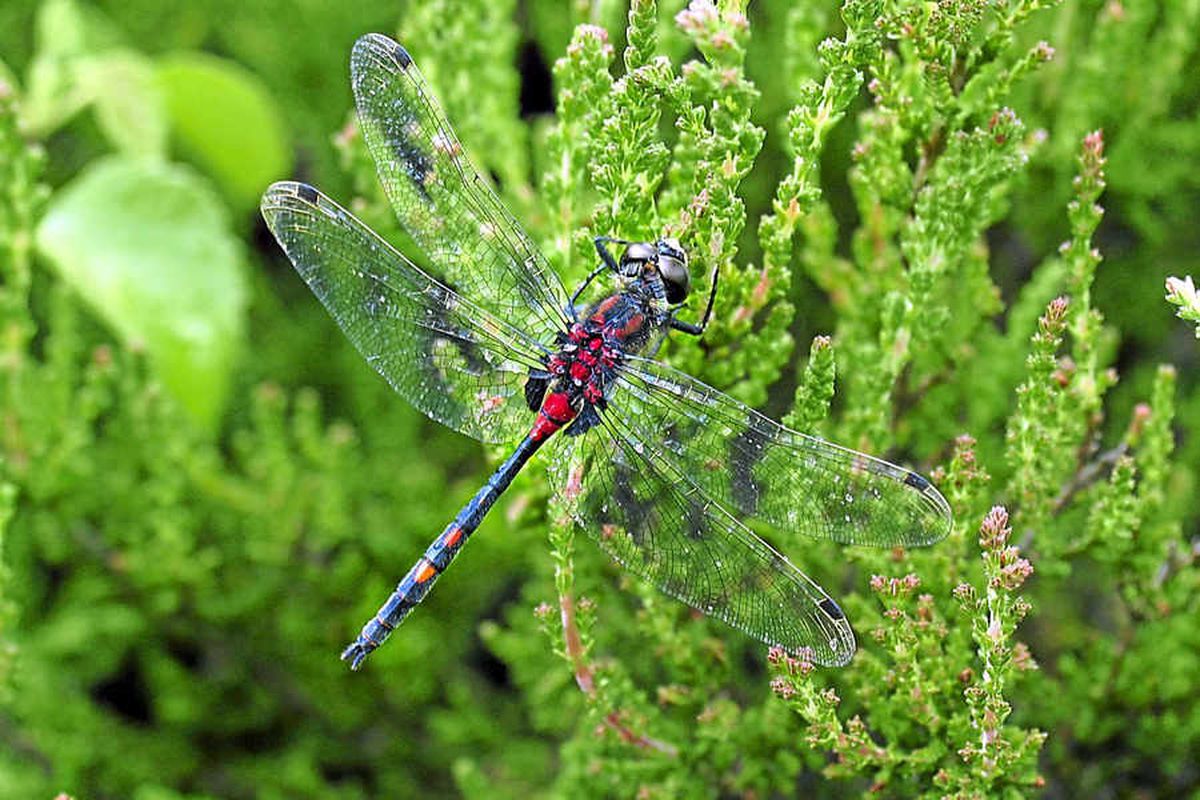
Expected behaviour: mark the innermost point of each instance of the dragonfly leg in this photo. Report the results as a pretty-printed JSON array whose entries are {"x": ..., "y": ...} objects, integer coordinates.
[
  {"x": 695, "y": 329},
  {"x": 595, "y": 273},
  {"x": 607, "y": 262},
  {"x": 602, "y": 243}
]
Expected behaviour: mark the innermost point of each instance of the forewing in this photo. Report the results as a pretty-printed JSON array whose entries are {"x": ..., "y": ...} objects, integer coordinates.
[
  {"x": 630, "y": 497},
  {"x": 758, "y": 468},
  {"x": 451, "y": 359},
  {"x": 452, "y": 214}
]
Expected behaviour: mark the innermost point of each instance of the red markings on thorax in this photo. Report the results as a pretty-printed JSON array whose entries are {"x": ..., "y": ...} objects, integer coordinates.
[
  {"x": 607, "y": 314},
  {"x": 631, "y": 327},
  {"x": 601, "y": 313}
]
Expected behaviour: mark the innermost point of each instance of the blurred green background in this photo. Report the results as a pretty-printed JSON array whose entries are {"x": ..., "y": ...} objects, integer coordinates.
[{"x": 206, "y": 491}]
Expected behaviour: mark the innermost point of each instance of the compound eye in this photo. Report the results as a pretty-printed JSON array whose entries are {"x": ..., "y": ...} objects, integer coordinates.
[
  {"x": 675, "y": 278},
  {"x": 639, "y": 252}
]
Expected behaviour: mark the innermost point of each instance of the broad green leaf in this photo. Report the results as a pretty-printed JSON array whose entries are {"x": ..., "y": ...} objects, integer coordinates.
[
  {"x": 65, "y": 34},
  {"x": 225, "y": 120},
  {"x": 147, "y": 245},
  {"x": 124, "y": 88}
]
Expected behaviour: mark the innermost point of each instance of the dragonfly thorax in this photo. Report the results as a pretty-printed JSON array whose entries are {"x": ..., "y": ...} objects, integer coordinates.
[{"x": 587, "y": 356}]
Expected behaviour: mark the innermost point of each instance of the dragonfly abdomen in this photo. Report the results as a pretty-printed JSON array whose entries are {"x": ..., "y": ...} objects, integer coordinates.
[{"x": 417, "y": 582}]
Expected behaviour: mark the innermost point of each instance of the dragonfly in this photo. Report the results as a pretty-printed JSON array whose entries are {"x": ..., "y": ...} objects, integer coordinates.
[{"x": 663, "y": 472}]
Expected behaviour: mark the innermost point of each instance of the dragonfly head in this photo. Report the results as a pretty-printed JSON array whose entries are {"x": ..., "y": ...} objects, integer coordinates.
[{"x": 667, "y": 257}]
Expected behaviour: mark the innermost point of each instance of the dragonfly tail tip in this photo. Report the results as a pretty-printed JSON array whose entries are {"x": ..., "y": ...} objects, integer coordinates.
[{"x": 355, "y": 653}]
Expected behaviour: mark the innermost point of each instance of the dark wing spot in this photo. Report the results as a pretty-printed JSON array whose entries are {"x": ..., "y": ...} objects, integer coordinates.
[
  {"x": 745, "y": 452},
  {"x": 307, "y": 193},
  {"x": 637, "y": 512},
  {"x": 444, "y": 323},
  {"x": 697, "y": 523},
  {"x": 832, "y": 609},
  {"x": 402, "y": 57},
  {"x": 916, "y": 481}
]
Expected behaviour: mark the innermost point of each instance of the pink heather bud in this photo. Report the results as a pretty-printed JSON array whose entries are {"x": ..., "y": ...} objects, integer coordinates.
[
  {"x": 964, "y": 592},
  {"x": 994, "y": 531},
  {"x": 1022, "y": 659},
  {"x": 1002, "y": 123},
  {"x": 895, "y": 587},
  {"x": 1178, "y": 287},
  {"x": 1044, "y": 51},
  {"x": 1015, "y": 574},
  {"x": 722, "y": 40},
  {"x": 697, "y": 16},
  {"x": 1057, "y": 308},
  {"x": 1093, "y": 144},
  {"x": 994, "y": 630},
  {"x": 776, "y": 656},
  {"x": 1137, "y": 423},
  {"x": 543, "y": 611},
  {"x": 592, "y": 32},
  {"x": 783, "y": 688},
  {"x": 347, "y": 134},
  {"x": 1182, "y": 292},
  {"x": 821, "y": 343}
]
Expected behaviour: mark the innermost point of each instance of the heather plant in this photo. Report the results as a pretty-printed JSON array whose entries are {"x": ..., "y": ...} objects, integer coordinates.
[{"x": 943, "y": 233}]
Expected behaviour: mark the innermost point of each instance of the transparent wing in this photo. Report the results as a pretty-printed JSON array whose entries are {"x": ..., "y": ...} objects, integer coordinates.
[
  {"x": 449, "y": 210},
  {"x": 451, "y": 359},
  {"x": 633, "y": 501},
  {"x": 755, "y": 467}
]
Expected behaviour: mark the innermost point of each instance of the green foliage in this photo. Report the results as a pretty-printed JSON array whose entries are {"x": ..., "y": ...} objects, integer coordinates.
[
  {"x": 224, "y": 119},
  {"x": 147, "y": 246},
  {"x": 188, "y": 533}
]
